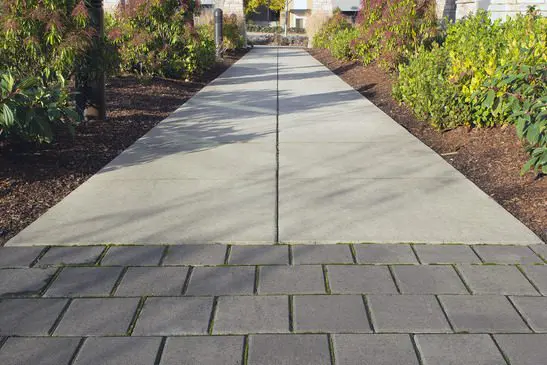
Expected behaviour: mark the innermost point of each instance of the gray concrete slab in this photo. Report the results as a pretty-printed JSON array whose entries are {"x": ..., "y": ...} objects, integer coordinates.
[
  {"x": 196, "y": 255},
  {"x": 353, "y": 349},
  {"x": 28, "y": 317},
  {"x": 174, "y": 316},
  {"x": 534, "y": 311},
  {"x": 524, "y": 349},
  {"x": 252, "y": 314},
  {"x": 294, "y": 279},
  {"x": 57, "y": 256},
  {"x": 289, "y": 350},
  {"x": 98, "y": 317},
  {"x": 222, "y": 280},
  {"x": 507, "y": 254},
  {"x": 210, "y": 350},
  {"x": 152, "y": 281},
  {"x": 338, "y": 254},
  {"x": 446, "y": 254},
  {"x": 38, "y": 350},
  {"x": 496, "y": 279},
  {"x": 24, "y": 282},
  {"x": 11, "y": 257},
  {"x": 434, "y": 279},
  {"x": 259, "y": 255},
  {"x": 360, "y": 279},
  {"x": 458, "y": 350},
  {"x": 118, "y": 351},
  {"x": 384, "y": 254},
  {"x": 84, "y": 281},
  {"x": 330, "y": 314},
  {"x": 538, "y": 275},
  {"x": 334, "y": 191},
  {"x": 133, "y": 256},
  {"x": 407, "y": 314},
  {"x": 482, "y": 314}
]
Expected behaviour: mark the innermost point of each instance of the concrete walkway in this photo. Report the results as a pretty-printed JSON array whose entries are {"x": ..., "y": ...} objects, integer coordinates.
[{"x": 228, "y": 168}]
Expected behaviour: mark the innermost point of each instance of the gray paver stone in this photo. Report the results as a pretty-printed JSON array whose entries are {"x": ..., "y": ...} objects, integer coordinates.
[
  {"x": 433, "y": 279},
  {"x": 18, "y": 256},
  {"x": 507, "y": 254},
  {"x": 24, "y": 281},
  {"x": 322, "y": 254},
  {"x": 22, "y": 317},
  {"x": 98, "y": 317},
  {"x": 222, "y": 280},
  {"x": 38, "y": 351},
  {"x": 205, "y": 350},
  {"x": 446, "y": 254},
  {"x": 540, "y": 249},
  {"x": 252, "y": 314},
  {"x": 195, "y": 255},
  {"x": 174, "y": 316},
  {"x": 407, "y": 313},
  {"x": 289, "y": 350},
  {"x": 534, "y": 311},
  {"x": 538, "y": 275},
  {"x": 133, "y": 256},
  {"x": 84, "y": 281},
  {"x": 496, "y": 279},
  {"x": 298, "y": 279},
  {"x": 259, "y": 255},
  {"x": 458, "y": 350},
  {"x": 360, "y": 279},
  {"x": 71, "y": 255},
  {"x": 356, "y": 349},
  {"x": 152, "y": 281},
  {"x": 384, "y": 254},
  {"x": 330, "y": 314},
  {"x": 524, "y": 349},
  {"x": 119, "y": 351},
  {"x": 482, "y": 313}
]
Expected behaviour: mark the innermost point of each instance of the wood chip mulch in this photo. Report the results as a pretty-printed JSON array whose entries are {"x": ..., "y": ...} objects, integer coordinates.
[{"x": 490, "y": 157}]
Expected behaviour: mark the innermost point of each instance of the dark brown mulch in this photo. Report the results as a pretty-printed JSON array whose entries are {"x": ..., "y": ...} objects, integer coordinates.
[
  {"x": 33, "y": 178},
  {"x": 490, "y": 157}
]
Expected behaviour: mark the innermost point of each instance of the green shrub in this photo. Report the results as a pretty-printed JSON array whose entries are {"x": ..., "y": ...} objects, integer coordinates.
[
  {"x": 423, "y": 86},
  {"x": 392, "y": 30},
  {"x": 341, "y": 44},
  {"x": 31, "y": 111},
  {"x": 157, "y": 38},
  {"x": 519, "y": 95},
  {"x": 43, "y": 38},
  {"x": 325, "y": 35}
]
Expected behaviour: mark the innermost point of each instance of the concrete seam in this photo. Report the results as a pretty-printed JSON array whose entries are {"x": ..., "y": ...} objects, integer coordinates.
[
  {"x": 77, "y": 351},
  {"x": 276, "y": 214},
  {"x": 60, "y": 317},
  {"x": 160, "y": 351},
  {"x": 136, "y": 315},
  {"x": 505, "y": 357}
]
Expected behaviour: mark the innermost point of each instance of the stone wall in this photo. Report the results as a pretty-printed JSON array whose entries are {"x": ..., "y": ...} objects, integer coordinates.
[{"x": 498, "y": 8}]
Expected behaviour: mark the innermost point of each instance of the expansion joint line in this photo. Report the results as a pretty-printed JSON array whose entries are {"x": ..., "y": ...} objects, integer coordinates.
[{"x": 276, "y": 223}]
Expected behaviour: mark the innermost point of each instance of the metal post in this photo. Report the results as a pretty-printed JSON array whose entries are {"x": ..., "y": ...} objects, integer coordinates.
[
  {"x": 92, "y": 83},
  {"x": 218, "y": 32},
  {"x": 286, "y": 17}
]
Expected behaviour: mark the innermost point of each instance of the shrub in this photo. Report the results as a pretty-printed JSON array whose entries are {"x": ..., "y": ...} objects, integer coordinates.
[
  {"x": 340, "y": 46},
  {"x": 424, "y": 87},
  {"x": 43, "y": 38},
  {"x": 232, "y": 30},
  {"x": 158, "y": 38},
  {"x": 325, "y": 35},
  {"x": 519, "y": 94},
  {"x": 392, "y": 30},
  {"x": 31, "y": 111}
]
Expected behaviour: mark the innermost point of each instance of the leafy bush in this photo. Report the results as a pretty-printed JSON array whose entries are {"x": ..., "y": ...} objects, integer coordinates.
[
  {"x": 392, "y": 30},
  {"x": 31, "y": 111},
  {"x": 325, "y": 35},
  {"x": 43, "y": 38},
  {"x": 340, "y": 46},
  {"x": 424, "y": 87},
  {"x": 263, "y": 29},
  {"x": 519, "y": 94},
  {"x": 158, "y": 38}
]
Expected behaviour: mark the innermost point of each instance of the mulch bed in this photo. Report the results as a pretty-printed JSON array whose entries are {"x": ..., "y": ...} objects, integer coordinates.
[
  {"x": 490, "y": 157},
  {"x": 33, "y": 177}
]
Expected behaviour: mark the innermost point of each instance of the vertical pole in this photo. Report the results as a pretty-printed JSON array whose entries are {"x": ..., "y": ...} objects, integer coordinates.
[
  {"x": 286, "y": 17},
  {"x": 93, "y": 84},
  {"x": 218, "y": 32}
]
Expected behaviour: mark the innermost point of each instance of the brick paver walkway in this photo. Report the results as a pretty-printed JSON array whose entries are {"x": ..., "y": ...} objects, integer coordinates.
[{"x": 279, "y": 304}]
